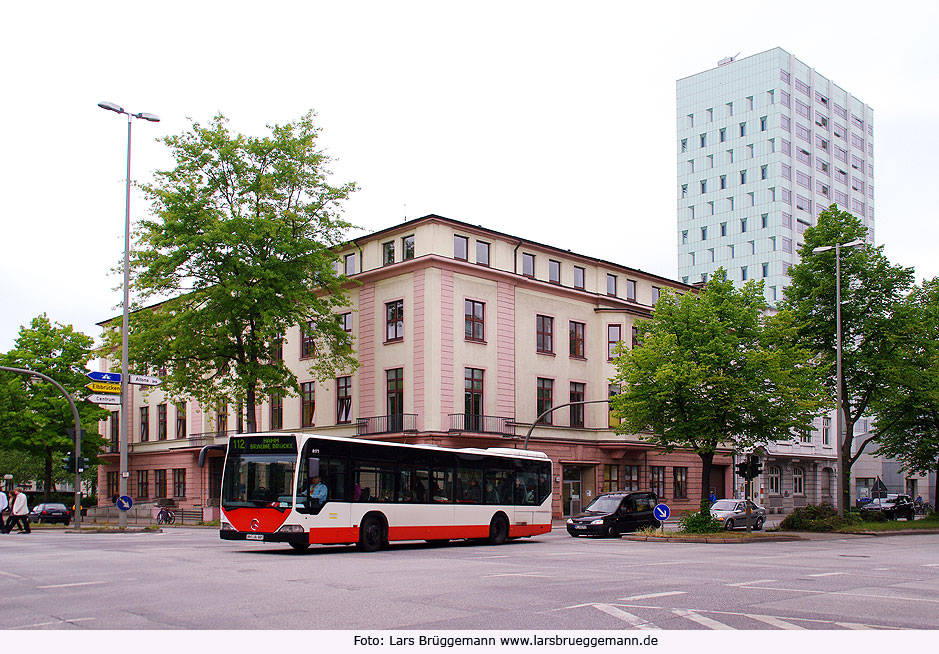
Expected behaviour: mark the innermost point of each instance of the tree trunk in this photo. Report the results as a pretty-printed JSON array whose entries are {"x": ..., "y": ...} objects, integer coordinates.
[
  {"x": 48, "y": 476},
  {"x": 706, "y": 459},
  {"x": 250, "y": 401}
]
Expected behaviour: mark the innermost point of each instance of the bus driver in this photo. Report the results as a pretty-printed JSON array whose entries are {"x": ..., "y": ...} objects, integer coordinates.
[{"x": 318, "y": 491}]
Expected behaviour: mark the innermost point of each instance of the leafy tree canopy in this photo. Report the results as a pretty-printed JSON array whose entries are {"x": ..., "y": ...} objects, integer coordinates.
[
  {"x": 715, "y": 370},
  {"x": 35, "y": 417},
  {"x": 907, "y": 426},
  {"x": 872, "y": 293},
  {"x": 242, "y": 240}
]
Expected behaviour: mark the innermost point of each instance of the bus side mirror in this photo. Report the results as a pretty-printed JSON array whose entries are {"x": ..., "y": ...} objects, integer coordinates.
[{"x": 312, "y": 467}]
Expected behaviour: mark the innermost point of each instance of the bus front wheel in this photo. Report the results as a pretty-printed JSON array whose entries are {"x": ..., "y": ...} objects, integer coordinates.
[
  {"x": 300, "y": 547},
  {"x": 371, "y": 535},
  {"x": 498, "y": 530}
]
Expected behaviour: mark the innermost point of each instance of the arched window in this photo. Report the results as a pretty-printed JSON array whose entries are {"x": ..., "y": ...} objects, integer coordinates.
[
  {"x": 773, "y": 477},
  {"x": 798, "y": 481},
  {"x": 828, "y": 476}
]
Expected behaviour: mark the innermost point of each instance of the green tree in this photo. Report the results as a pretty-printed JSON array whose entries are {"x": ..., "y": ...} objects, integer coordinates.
[
  {"x": 714, "y": 369},
  {"x": 35, "y": 417},
  {"x": 907, "y": 425},
  {"x": 872, "y": 292},
  {"x": 242, "y": 240}
]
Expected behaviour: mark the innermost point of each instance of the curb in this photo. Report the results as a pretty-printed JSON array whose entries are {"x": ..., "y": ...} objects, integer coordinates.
[
  {"x": 715, "y": 540},
  {"x": 113, "y": 530}
]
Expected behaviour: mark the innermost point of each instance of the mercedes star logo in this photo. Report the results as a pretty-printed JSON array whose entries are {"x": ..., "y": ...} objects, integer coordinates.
[{"x": 255, "y": 524}]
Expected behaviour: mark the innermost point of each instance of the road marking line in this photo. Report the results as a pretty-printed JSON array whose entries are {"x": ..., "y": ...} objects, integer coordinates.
[
  {"x": 10, "y": 574},
  {"x": 848, "y": 625},
  {"x": 82, "y": 583},
  {"x": 930, "y": 565},
  {"x": 829, "y": 574},
  {"x": 46, "y": 624},
  {"x": 516, "y": 574},
  {"x": 755, "y": 581},
  {"x": 853, "y": 625},
  {"x": 629, "y": 618},
  {"x": 846, "y": 594},
  {"x": 774, "y": 621},
  {"x": 667, "y": 563},
  {"x": 702, "y": 620},
  {"x": 651, "y": 595},
  {"x": 494, "y": 556}
]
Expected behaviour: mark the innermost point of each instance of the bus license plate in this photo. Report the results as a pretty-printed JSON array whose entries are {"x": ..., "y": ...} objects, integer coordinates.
[{"x": 254, "y": 536}]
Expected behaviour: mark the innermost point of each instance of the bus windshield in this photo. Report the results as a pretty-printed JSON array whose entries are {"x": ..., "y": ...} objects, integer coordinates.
[{"x": 259, "y": 473}]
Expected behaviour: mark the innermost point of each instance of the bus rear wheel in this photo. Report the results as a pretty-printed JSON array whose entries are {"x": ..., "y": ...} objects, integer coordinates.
[
  {"x": 498, "y": 530},
  {"x": 371, "y": 535}
]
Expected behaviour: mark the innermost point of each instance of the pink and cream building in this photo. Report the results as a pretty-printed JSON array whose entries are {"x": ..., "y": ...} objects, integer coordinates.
[{"x": 464, "y": 335}]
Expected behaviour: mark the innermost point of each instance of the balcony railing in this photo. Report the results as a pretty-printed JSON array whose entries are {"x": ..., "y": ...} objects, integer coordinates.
[
  {"x": 468, "y": 422},
  {"x": 393, "y": 424}
]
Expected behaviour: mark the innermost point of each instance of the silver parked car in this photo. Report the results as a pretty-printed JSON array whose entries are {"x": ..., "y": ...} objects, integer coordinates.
[{"x": 733, "y": 513}]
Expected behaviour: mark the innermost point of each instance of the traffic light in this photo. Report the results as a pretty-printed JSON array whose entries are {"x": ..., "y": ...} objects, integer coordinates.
[
  {"x": 82, "y": 464},
  {"x": 68, "y": 462},
  {"x": 755, "y": 467},
  {"x": 742, "y": 469}
]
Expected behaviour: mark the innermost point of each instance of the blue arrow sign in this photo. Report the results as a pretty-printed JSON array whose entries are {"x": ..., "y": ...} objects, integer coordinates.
[
  {"x": 113, "y": 377},
  {"x": 661, "y": 512},
  {"x": 124, "y": 502}
]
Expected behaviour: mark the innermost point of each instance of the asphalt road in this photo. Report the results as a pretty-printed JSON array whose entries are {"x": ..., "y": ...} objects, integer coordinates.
[{"x": 186, "y": 578}]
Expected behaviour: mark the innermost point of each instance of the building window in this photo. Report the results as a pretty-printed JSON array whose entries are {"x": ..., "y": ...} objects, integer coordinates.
[
  {"x": 474, "y": 320},
  {"x": 657, "y": 481},
  {"x": 723, "y": 182},
  {"x": 528, "y": 264},
  {"x": 394, "y": 320},
  {"x": 773, "y": 476},
  {"x": 143, "y": 484},
  {"x": 743, "y": 225},
  {"x": 743, "y": 129},
  {"x": 307, "y": 346},
  {"x": 350, "y": 264},
  {"x": 704, "y": 233},
  {"x": 614, "y": 334},
  {"x": 460, "y": 247},
  {"x": 579, "y": 278},
  {"x": 680, "y": 482},
  {"x": 181, "y": 420},
  {"x": 611, "y": 285},
  {"x": 684, "y": 145},
  {"x": 544, "y": 334},
  {"x": 630, "y": 290},
  {"x": 765, "y": 269},
  {"x": 221, "y": 419},
  {"x": 343, "y": 400},
  {"x": 179, "y": 482},
  {"x": 113, "y": 484},
  {"x": 407, "y": 247},
  {"x": 610, "y": 478},
  {"x": 704, "y": 140},
  {"x": 277, "y": 411},
  {"x": 307, "y": 403},
  {"x": 482, "y": 253},
  {"x": 473, "y": 397},
  {"x": 764, "y": 172},
  {"x": 655, "y": 295},
  {"x": 161, "y": 422},
  {"x": 144, "y": 423},
  {"x": 723, "y": 229},
  {"x": 798, "y": 481},
  {"x": 764, "y": 220},
  {"x": 159, "y": 483},
  {"x": 345, "y": 322},
  {"x": 612, "y": 389},
  {"x": 743, "y": 177},
  {"x": 388, "y": 253},
  {"x": 545, "y": 399},
  {"x": 394, "y": 385},
  {"x": 743, "y": 273},
  {"x": 577, "y": 340},
  {"x": 826, "y": 431},
  {"x": 554, "y": 271},
  {"x": 578, "y": 394}
]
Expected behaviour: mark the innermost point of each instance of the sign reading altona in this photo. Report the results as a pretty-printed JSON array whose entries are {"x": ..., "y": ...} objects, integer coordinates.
[{"x": 144, "y": 380}]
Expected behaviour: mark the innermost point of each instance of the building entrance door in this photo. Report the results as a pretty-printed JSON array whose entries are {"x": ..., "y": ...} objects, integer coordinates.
[{"x": 571, "y": 484}]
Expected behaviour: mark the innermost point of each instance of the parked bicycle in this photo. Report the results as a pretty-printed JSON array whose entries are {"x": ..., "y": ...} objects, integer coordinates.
[{"x": 166, "y": 517}]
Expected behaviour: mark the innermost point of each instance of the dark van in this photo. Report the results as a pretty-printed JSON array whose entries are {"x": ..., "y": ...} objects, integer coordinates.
[{"x": 612, "y": 514}]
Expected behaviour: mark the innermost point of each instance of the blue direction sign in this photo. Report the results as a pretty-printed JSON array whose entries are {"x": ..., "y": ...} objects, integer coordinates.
[
  {"x": 113, "y": 377},
  {"x": 124, "y": 502},
  {"x": 661, "y": 512}
]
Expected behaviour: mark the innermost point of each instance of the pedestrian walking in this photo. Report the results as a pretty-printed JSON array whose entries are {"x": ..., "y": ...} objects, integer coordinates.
[
  {"x": 19, "y": 512},
  {"x": 4, "y": 504}
]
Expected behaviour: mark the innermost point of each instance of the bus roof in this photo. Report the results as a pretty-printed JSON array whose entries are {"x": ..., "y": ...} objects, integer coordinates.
[{"x": 493, "y": 451}]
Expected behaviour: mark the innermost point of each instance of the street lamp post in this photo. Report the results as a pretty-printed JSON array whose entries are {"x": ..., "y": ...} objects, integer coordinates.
[
  {"x": 839, "y": 418},
  {"x": 125, "y": 395}
]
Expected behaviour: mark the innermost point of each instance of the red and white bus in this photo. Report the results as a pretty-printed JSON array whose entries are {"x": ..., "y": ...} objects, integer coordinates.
[{"x": 302, "y": 489}]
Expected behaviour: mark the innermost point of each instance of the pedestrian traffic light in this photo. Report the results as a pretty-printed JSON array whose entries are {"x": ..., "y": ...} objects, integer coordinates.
[{"x": 68, "y": 462}]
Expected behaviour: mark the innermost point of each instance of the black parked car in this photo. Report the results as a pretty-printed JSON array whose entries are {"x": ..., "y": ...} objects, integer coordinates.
[
  {"x": 612, "y": 514},
  {"x": 50, "y": 512},
  {"x": 893, "y": 506}
]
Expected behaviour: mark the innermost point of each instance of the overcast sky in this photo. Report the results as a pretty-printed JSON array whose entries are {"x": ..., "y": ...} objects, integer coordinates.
[{"x": 549, "y": 121}]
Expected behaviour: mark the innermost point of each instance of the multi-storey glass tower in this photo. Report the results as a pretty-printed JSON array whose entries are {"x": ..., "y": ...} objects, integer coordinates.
[{"x": 765, "y": 143}]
